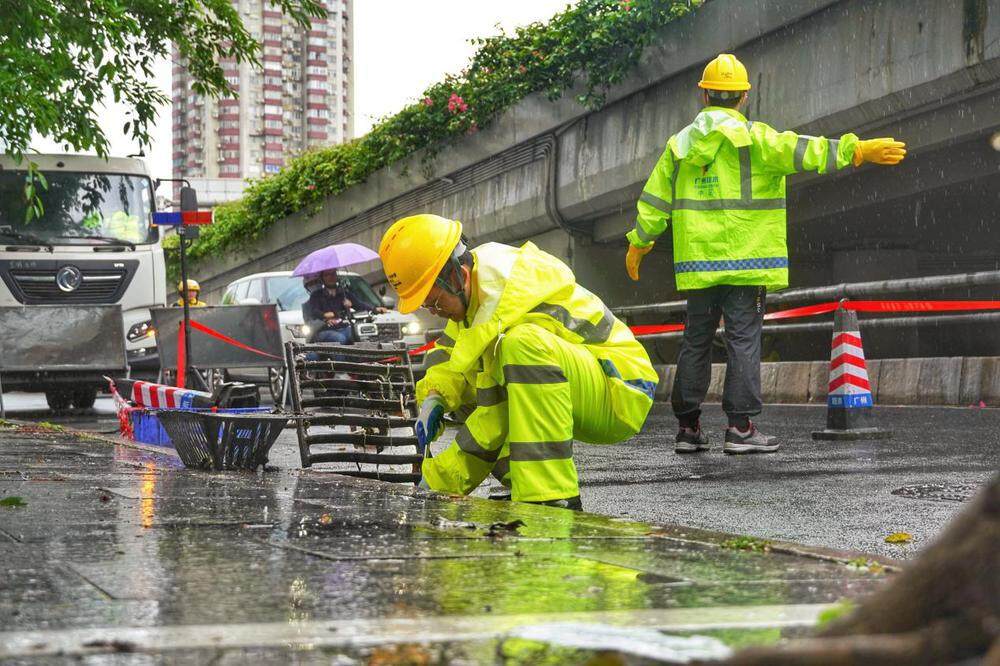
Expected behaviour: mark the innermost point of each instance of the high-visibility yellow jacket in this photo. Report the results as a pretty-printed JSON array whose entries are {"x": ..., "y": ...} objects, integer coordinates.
[
  {"x": 721, "y": 181},
  {"x": 519, "y": 285},
  {"x": 179, "y": 303}
]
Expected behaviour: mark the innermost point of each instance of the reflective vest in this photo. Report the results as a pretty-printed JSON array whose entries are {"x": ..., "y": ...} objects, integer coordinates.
[
  {"x": 526, "y": 285},
  {"x": 721, "y": 181}
]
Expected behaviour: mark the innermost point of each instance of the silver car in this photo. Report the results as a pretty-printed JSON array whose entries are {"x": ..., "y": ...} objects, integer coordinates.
[{"x": 289, "y": 294}]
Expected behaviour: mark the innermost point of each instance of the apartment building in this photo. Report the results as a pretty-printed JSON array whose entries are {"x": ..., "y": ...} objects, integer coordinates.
[{"x": 300, "y": 98}]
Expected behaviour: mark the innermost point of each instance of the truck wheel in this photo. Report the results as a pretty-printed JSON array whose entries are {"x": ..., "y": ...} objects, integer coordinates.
[
  {"x": 58, "y": 400},
  {"x": 276, "y": 384},
  {"x": 84, "y": 398}
]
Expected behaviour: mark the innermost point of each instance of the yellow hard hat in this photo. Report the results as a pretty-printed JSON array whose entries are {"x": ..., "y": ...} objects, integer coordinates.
[
  {"x": 414, "y": 250},
  {"x": 726, "y": 72},
  {"x": 192, "y": 285}
]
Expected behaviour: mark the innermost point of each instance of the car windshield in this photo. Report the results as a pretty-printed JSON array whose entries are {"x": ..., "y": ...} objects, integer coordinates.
[
  {"x": 357, "y": 286},
  {"x": 91, "y": 207},
  {"x": 288, "y": 291},
  {"x": 291, "y": 293}
]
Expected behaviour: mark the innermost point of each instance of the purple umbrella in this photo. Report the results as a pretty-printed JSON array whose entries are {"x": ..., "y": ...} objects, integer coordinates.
[{"x": 334, "y": 256}]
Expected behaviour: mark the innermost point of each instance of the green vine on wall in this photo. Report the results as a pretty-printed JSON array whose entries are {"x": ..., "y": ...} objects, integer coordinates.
[{"x": 595, "y": 43}]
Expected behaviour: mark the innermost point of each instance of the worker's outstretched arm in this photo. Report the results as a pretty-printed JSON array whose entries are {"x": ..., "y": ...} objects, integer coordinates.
[
  {"x": 788, "y": 152},
  {"x": 451, "y": 386},
  {"x": 653, "y": 207}
]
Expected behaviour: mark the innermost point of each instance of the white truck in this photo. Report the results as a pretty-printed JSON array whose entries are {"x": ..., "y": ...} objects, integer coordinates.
[{"x": 94, "y": 243}]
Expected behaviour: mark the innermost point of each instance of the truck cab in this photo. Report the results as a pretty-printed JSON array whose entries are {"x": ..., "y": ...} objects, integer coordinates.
[{"x": 93, "y": 243}]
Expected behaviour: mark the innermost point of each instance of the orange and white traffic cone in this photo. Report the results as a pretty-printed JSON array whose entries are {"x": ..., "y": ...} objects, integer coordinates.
[{"x": 849, "y": 402}]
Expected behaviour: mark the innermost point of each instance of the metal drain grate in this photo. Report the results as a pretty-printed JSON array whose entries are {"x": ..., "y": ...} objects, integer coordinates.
[{"x": 939, "y": 492}]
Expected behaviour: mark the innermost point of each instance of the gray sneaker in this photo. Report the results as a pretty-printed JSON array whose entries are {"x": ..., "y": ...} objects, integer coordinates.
[
  {"x": 752, "y": 441},
  {"x": 690, "y": 441}
]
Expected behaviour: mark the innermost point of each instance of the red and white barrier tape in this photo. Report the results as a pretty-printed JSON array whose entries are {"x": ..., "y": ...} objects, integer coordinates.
[{"x": 857, "y": 306}]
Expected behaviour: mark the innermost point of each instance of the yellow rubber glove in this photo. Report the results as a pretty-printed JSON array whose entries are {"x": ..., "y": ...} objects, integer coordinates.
[
  {"x": 879, "y": 151},
  {"x": 634, "y": 258}
]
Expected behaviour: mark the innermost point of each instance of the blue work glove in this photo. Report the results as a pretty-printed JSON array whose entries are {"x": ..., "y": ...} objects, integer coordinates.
[{"x": 429, "y": 425}]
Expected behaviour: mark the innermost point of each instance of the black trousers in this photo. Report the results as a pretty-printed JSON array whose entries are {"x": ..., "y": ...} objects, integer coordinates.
[{"x": 742, "y": 310}]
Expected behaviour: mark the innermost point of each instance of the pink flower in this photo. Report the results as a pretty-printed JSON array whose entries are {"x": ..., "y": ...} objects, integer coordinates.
[
  {"x": 310, "y": 187},
  {"x": 428, "y": 101},
  {"x": 456, "y": 104},
  {"x": 522, "y": 69},
  {"x": 473, "y": 128},
  {"x": 627, "y": 4}
]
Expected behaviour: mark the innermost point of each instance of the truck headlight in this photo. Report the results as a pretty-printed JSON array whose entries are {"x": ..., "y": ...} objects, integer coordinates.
[
  {"x": 299, "y": 330},
  {"x": 143, "y": 329},
  {"x": 413, "y": 328}
]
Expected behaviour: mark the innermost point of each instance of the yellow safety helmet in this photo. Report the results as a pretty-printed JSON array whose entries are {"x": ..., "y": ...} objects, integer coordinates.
[
  {"x": 726, "y": 72},
  {"x": 414, "y": 250},
  {"x": 192, "y": 285}
]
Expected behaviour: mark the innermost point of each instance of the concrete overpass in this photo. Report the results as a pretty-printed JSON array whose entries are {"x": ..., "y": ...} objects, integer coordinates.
[{"x": 925, "y": 71}]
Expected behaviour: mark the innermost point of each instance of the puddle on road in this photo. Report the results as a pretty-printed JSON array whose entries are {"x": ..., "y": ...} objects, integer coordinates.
[{"x": 147, "y": 544}]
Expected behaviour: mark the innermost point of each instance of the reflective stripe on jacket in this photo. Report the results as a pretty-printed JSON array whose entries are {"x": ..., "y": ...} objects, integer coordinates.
[
  {"x": 721, "y": 181},
  {"x": 520, "y": 285}
]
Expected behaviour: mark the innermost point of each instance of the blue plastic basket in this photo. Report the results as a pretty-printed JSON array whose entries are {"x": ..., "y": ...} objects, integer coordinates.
[{"x": 146, "y": 427}]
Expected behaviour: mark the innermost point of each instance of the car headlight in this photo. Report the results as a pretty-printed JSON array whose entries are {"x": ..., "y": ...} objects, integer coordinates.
[
  {"x": 413, "y": 328},
  {"x": 299, "y": 330},
  {"x": 143, "y": 329}
]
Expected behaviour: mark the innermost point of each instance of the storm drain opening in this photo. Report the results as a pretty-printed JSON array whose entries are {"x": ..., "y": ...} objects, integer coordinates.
[{"x": 939, "y": 492}]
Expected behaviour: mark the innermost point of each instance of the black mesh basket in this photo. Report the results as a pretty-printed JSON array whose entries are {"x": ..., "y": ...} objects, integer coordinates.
[{"x": 206, "y": 440}]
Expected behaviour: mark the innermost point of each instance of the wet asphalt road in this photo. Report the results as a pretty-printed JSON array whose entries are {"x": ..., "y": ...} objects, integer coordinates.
[
  {"x": 112, "y": 549},
  {"x": 832, "y": 494}
]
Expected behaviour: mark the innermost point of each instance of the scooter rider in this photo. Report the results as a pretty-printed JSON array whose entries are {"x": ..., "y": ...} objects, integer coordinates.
[{"x": 328, "y": 308}]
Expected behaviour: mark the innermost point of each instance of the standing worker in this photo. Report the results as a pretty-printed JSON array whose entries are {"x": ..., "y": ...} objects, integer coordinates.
[
  {"x": 721, "y": 181},
  {"x": 191, "y": 290},
  {"x": 542, "y": 360}
]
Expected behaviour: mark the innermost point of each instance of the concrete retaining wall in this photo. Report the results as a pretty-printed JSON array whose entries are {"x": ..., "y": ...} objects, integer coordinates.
[{"x": 895, "y": 381}]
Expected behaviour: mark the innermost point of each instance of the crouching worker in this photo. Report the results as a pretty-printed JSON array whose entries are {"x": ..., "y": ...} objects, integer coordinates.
[{"x": 541, "y": 359}]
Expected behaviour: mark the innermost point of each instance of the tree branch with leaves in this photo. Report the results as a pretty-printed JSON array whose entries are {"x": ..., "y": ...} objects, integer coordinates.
[{"x": 60, "y": 60}]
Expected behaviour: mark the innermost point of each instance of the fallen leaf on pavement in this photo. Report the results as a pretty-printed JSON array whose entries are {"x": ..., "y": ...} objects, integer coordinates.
[
  {"x": 899, "y": 537},
  {"x": 501, "y": 528},
  {"x": 13, "y": 501}
]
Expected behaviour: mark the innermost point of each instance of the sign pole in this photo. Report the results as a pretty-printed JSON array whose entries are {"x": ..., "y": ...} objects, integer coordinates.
[{"x": 187, "y": 311}]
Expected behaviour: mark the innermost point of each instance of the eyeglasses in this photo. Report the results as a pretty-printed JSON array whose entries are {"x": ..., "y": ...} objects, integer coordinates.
[{"x": 437, "y": 301}]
